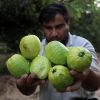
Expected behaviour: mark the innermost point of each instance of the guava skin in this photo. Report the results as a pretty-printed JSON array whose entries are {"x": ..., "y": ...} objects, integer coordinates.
[
  {"x": 30, "y": 46},
  {"x": 40, "y": 66},
  {"x": 56, "y": 52},
  {"x": 17, "y": 65},
  {"x": 59, "y": 76},
  {"x": 79, "y": 58}
]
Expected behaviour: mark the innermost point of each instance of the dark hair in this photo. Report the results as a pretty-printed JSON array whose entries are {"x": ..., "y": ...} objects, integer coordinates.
[{"x": 49, "y": 12}]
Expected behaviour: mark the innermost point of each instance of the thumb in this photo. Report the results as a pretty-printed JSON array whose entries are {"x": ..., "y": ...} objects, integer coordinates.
[
  {"x": 74, "y": 87},
  {"x": 40, "y": 82}
]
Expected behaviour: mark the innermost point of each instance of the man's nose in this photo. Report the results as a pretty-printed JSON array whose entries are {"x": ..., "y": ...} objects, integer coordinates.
[{"x": 54, "y": 32}]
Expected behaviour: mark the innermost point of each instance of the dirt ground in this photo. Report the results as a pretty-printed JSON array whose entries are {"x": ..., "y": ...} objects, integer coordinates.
[{"x": 8, "y": 90}]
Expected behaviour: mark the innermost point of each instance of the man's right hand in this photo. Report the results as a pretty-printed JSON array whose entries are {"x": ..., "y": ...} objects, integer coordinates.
[{"x": 27, "y": 83}]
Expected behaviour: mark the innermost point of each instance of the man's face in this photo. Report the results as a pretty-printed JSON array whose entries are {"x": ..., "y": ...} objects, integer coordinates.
[{"x": 56, "y": 29}]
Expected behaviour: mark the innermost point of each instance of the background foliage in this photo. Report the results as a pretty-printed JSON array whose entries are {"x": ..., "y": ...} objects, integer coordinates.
[{"x": 19, "y": 17}]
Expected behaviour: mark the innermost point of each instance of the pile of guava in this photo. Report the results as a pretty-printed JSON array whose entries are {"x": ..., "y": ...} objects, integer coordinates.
[
  {"x": 29, "y": 60},
  {"x": 54, "y": 65},
  {"x": 63, "y": 60}
]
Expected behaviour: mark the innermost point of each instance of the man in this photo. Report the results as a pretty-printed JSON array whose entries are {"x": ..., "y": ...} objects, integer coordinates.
[{"x": 55, "y": 21}]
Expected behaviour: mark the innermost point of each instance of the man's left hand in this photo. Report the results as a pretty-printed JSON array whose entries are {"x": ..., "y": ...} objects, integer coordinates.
[{"x": 79, "y": 77}]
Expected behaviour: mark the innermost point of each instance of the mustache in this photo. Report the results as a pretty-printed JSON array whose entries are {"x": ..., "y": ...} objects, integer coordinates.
[{"x": 54, "y": 39}]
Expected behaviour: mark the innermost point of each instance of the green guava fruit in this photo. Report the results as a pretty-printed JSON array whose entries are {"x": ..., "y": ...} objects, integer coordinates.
[
  {"x": 40, "y": 66},
  {"x": 59, "y": 76},
  {"x": 56, "y": 52},
  {"x": 30, "y": 46},
  {"x": 79, "y": 58},
  {"x": 17, "y": 65}
]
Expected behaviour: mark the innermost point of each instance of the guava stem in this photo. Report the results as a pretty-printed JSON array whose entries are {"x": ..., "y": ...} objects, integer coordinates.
[
  {"x": 81, "y": 54},
  {"x": 54, "y": 70}
]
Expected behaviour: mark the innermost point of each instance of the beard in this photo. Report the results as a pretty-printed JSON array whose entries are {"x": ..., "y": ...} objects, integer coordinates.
[{"x": 63, "y": 40}]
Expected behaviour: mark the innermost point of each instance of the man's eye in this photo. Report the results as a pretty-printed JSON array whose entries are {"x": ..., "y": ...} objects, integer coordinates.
[
  {"x": 59, "y": 26},
  {"x": 48, "y": 27}
]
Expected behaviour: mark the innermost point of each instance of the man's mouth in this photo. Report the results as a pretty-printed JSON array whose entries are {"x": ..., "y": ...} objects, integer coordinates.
[{"x": 55, "y": 39}]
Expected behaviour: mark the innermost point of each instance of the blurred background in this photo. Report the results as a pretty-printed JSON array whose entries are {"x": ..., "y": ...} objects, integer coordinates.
[{"x": 20, "y": 17}]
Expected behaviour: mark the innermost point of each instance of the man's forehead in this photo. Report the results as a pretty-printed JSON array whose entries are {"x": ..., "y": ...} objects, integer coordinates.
[
  {"x": 58, "y": 19},
  {"x": 53, "y": 25}
]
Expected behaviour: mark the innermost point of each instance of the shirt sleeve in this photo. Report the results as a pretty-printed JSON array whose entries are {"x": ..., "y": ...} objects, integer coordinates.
[{"x": 89, "y": 46}]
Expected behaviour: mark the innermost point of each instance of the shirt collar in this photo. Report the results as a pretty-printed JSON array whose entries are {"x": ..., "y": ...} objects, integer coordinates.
[{"x": 69, "y": 43}]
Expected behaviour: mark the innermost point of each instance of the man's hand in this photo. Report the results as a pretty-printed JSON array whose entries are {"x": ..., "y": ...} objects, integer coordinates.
[
  {"x": 27, "y": 83},
  {"x": 78, "y": 79}
]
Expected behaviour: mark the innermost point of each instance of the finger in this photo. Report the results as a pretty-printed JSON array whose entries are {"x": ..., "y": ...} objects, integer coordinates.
[
  {"x": 86, "y": 72},
  {"x": 80, "y": 76},
  {"x": 77, "y": 75},
  {"x": 22, "y": 80},
  {"x": 33, "y": 75},
  {"x": 24, "y": 76},
  {"x": 74, "y": 87},
  {"x": 40, "y": 82},
  {"x": 30, "y": 80}
]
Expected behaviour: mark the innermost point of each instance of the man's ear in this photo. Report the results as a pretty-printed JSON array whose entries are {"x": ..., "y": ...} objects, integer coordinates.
[
  {"x": 67, "y": 26},
  {"x": 68, "y": 22}
]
